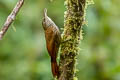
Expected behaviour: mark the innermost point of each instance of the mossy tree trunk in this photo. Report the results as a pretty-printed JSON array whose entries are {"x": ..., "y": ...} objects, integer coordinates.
[{"x": 72, "y": 34}]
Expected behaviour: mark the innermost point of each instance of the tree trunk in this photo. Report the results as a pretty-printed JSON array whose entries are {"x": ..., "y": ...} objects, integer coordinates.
[{"x": 72, "y": 34}]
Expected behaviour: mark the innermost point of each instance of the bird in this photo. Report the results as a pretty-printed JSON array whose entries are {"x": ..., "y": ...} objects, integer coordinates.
[{"x": 53, "y": 39}]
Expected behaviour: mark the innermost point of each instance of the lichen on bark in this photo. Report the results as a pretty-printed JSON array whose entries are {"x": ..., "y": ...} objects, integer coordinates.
[{"x": 72, "y": 34}]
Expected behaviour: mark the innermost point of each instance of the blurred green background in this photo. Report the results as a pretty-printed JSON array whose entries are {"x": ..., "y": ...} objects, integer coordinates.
[{"x": 23, "y": 54}]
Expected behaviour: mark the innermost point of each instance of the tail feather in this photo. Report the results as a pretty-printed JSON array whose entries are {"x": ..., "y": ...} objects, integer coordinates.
[{"x": 55, "y": 68}]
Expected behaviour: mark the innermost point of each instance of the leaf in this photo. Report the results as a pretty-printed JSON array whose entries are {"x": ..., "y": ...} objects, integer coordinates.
[{"x": 13, "y": 27}]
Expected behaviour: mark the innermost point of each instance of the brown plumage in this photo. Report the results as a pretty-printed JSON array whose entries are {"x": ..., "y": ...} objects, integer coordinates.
[{"x": 53, "y": 37}]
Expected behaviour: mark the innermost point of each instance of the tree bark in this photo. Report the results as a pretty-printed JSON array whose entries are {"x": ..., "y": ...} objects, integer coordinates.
[
  {"x": 72, "y": 34},
  {"x": 11, "y": 18}
]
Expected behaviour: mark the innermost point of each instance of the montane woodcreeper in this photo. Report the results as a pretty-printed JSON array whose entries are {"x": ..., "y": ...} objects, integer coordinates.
[{"x": 53, "y": 37}]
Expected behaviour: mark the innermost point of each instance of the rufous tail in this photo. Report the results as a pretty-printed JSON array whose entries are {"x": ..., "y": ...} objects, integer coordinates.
[{"x": 54, "y": 67}]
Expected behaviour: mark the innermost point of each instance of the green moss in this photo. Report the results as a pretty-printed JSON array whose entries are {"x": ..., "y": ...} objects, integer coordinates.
[
  {"x": 72, "y": 34},
  {"x": 75, "y": 78},
  {"x": 89, "y": 2}
]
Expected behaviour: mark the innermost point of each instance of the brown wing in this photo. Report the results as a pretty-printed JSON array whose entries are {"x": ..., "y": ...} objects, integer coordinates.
[
  {"x": 49, "y": 40},
  {"x": 52, "y": 35},
  {"x": 56, "y": 44}
]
